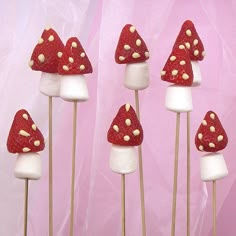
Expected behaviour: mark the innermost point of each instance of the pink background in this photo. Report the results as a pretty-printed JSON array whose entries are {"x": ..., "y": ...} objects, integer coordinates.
[{"x": 97, "y": 207}]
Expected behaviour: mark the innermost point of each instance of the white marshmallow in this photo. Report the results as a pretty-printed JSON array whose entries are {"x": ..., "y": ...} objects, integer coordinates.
[
  {"x": 179, "y": 98},
  {"x": 74, "y": 88},
  {"x": 136, "y": 76},
  {"x": 123, "y": 159},
  {"x": 28, "y": 166},
  {"x": 213, "y": 167},
  {"x": 50, "y": 84},
  {"x": 197, "y": 76}
]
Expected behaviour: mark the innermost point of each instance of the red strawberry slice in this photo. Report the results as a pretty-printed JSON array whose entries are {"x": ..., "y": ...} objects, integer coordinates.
[
  {"x": 47, "y": 52},
  {"x": 211, "y": 136},
  {"x": 24, "y": 136},
  {"x": 74, "y": 59},
  {"x": 189, "y": 38},
  {"x": 178, "y": 68},
  {"x": 125, "y": 129},
  {"x": 131, "y": 47}
]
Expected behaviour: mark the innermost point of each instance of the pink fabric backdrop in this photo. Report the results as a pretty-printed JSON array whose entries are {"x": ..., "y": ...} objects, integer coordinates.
[{"x": 97, "y": 207}]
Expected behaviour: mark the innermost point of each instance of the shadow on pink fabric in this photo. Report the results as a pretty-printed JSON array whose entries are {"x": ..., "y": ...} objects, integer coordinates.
[{"x": 97, "y": 24}]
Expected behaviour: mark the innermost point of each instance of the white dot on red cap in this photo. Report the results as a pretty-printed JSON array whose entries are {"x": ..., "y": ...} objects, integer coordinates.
[
  {"x": 116, "y": 128},
  {"x": 200, "y": 136},
  {"x": 36, "y": 143},
  {"x": 212, "y": 115},
  {"x": 82, "y": 67},
  {"x": 220, "y": 138},
  {"x": 136, "y": 132},
  {"x": 195, "y": 42},
  {"x": 40, "y": 41},
  {"x": 51, "y": 38},
  {"x": 41, "y": 58},
  {"x": 182, "y": 62},
  {"x": 212, "y": 145},
  {"x": 187, "y": 44},
  {"x": 147, "y": 54},
  {"x": 31, "y": 63},
  {"x": 65, "y": 67},
  {"x": 200, "y": 148},
  {"x": 173, "y": 58},
  {"x": 126, "y": 47},
  {"x": 204, "y": 122},
  {"x": 128, "y": 122},
  {"x": 25, "y": 149},
  {"x": 163, "y": 72},
  {"x": 24, "y": 133},
  {"x": 174, "y": 72},
  {"x": 132, "y": 29},
  {"x": 181, "y": 46},
  {"x": 74, "y": 44},
  {"x": 203, "y": 53},
  {"x": 136, "y": 55},
  {"x": 82, "y": 54},
  {"x": 185, "y": 76},
  {"x": 59, "y": 54},
  {"x": 138, "y": 42},
  {"x": 188, "y": 32},
  {"x": 25, "y": 116},
  {"x": 71, "y": 60},
  {"x": 48, "y": 28},
  {"x": 126, "y": 138},
  {"x": 121, "y": 58},
  {"x": 127, "y": 107},
  {"x": 196, "y": 52},
  {"x": 212, "y": 129},
  {"x": 34, "y": 127}
]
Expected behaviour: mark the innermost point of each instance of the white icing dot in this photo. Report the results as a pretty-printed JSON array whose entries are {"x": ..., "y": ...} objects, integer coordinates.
[
  {"x": 138, "y": 42},
  {"x": 220, "y": 138},
  {"x": 212, "y": 129},
  {"x": 36, "y": 143},
  {"x": 204, "y": 122},
  {"x": 132, "y": 29},
  {"x": 126, "y": 138},
  {"x": 25, "y": 116},
  {"x": 212, "y": 145},
  {"x": 71, "y": 60},
  {"x": 188, "y": 32},
  {"x": 203, "y": 53},
  {"x": 82, "y": 54},
  {"x": 174, "y": 72},
  {"x": 187, "y": 44},
  {"x": 41, "y": 58},
  {"x": 200, "y": 136},
  {"x": 195, "y": 42},
  {"x": 40, "y": 41},
  {"x": 25, "y": 149},
  {"x": 31, "y": 63},
  {"x": 48, "y": 28},
  {"x": 82, "y": 67},
  {"x": 185, "y": 76},
  {"x": 182, "y": 62},
  {"x": 126, "y": 47},
  {"x": 196, "y": 52},
  {"x": 200, "y": 148},
  {"x": 127, "y": 107},
  {"x": 64, "y": 67},
  {"x": 51, "y": 38},
  {"x": 116, "y": 128},
  {"x": 163, "y": 72},
  {"x": 135, "y": 55},
  {"x": 147, "y": 54},
  {"x": 128, "y": 122},
  {"x": 212, "y": 115},
  {"x": 121, "y": 58},
  {"x": 59, "y": 54},
  {"x": 136, "y": 132},
  {"x": 34, "y": 127},
  {"x": 74, "y": 44},
  {"x": 173, "y": 58},
  {"x": 181, "y": 46},
  {"x": 24, "y": 133}
]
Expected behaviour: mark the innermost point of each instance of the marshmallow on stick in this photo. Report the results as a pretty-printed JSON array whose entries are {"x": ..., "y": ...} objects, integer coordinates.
[
  {"x": 189, "y": 39},
  {"x": 45, "y": 58}
]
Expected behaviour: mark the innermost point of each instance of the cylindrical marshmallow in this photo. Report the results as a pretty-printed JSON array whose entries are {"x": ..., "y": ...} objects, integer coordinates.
[
  {"x": 50, "y": 84},
  {"x": 213, "y": 167},
  {"x": 123, "y": 159},
  {"x": 197, "y": 76},
  {"x": 28, "y": 166},
  {"x": 74, "y": 88},
  {"x": 136, "y": 76},
  {"x": 179, "y": 98}
]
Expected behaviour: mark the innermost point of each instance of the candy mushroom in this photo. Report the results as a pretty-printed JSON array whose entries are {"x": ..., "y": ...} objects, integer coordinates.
[
  {"x": 45, "y": 58},
  {"x": 124, "y": 133},
  {"x": 132, "y": 50},
  {"x": 189, "y": 39},
  {"x": 211, "y": 137},
  {"x": 26, "y": 139},
  {"x": 73, "y": 64}
]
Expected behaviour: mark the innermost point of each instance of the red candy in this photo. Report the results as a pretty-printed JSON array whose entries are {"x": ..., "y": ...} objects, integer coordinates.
[
  {"x": 24, "y": 136},
  {"x": 178, "y": 68},
  {"x": 74, "y": 59},
  {"x": 131, "y": 47},
  {"x": 211, "y": 136},
  {"x": 189, "y": 37},
  {"x": 47, "y": 52},
  {"x": 125, "y": 129}
]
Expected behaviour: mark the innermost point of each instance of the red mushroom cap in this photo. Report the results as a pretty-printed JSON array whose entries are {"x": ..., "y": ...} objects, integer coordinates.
[
  {"x": 178, "y": 68},
  {"x": 47, "y": 52},
  {"x": 131, "y": 47},
  {"x": 74, "y": 59},
  {"x": 211, "y": 136},
  {"x": 125, "y": 129},
  {"x": 189, "y": 37},
  {"x": 24, "y": 136}
]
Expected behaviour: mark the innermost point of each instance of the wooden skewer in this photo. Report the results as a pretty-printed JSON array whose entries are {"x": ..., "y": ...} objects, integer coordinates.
[
  {"x": 26, "y": 207},
  {"x": 188, "y": 174},
  {"x": 141, "y": 181},
  {"x": 175, "y": 175},
  {"x": 123, "y": 204},
  {"x": 214, "y": 207},
  {"x": 50, "y": 171},
  {"x": 73, "y": 171}
]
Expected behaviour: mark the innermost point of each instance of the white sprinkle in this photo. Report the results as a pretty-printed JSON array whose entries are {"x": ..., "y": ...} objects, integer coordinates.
[
  {"x": 74, "y": 44},
  {"x": 204, "y": 122},
  {"x": 187, "y": 45},
  {"x": 212, "y": 129},
  {"x": 200, "y": 148},
  {"x": 25, "y": 149},
  {"x": 31, "y": 63},
  {"x": 59, "y": 54},
  {"x": 25, "y": 116},
  {"x": 147, "y": 54},
  {"x": 127, "y": 107},
  {"x": 173, "y": 58},
  {"x": 220, "y": 138},
  {"x": 182, "y": 62},
  {"x": 136, "y": 132},
  {"x": 181, "y": 46},
  {"x": 188, "y": 32},
  {"x": 126, "y": 138},
  {"x": 41, "y": 58},
  {"x": 138, "y": 42},
  {"x": 36, "y": 143},
  {"x": 126, "y": 47},
  {"x": 116, "y": 128},
  {"x": 212, "y": 115},
  {"x": 40, "y": 41},
  {"x": 71, "y": 60},
  {"x": 195, "y": 42},
  {"x": 163, "y": 72},
  {"x": 212, "y": 145},
  {"x": 24, "y": 133},
  {"x": 196, "y": 52},
  {"x": 82, "y": 54},
  {"x": 82, "y": 67},
  {"x": 132, "y": 29},
  {"x": 174, "y": 72},
  {"x": 128, "y": 122},
  {"x": 34, "y": 127},
  {"x": 203, "y": 53},
  {"x": 185, "y": 76},
  {"x": 51, "y": 38},
  {"x": 48, "y": 28},
  {"x": 200, "y": 136},
  {"x": 121, "y": 58},
  {"x": 64, "y": 67},
  {"x": 135, "y": 55}
]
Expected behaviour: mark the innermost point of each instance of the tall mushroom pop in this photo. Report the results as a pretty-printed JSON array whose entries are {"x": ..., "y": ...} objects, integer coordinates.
[
  {"x": 26, "y": 139},
  {"x": 45, "y": 58},
  {"x": 211, "y": 137},
  {"x": 124, "y": 133},
  {"x": 73, "y": 65},
  {"x": 132, "y": 51}
]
